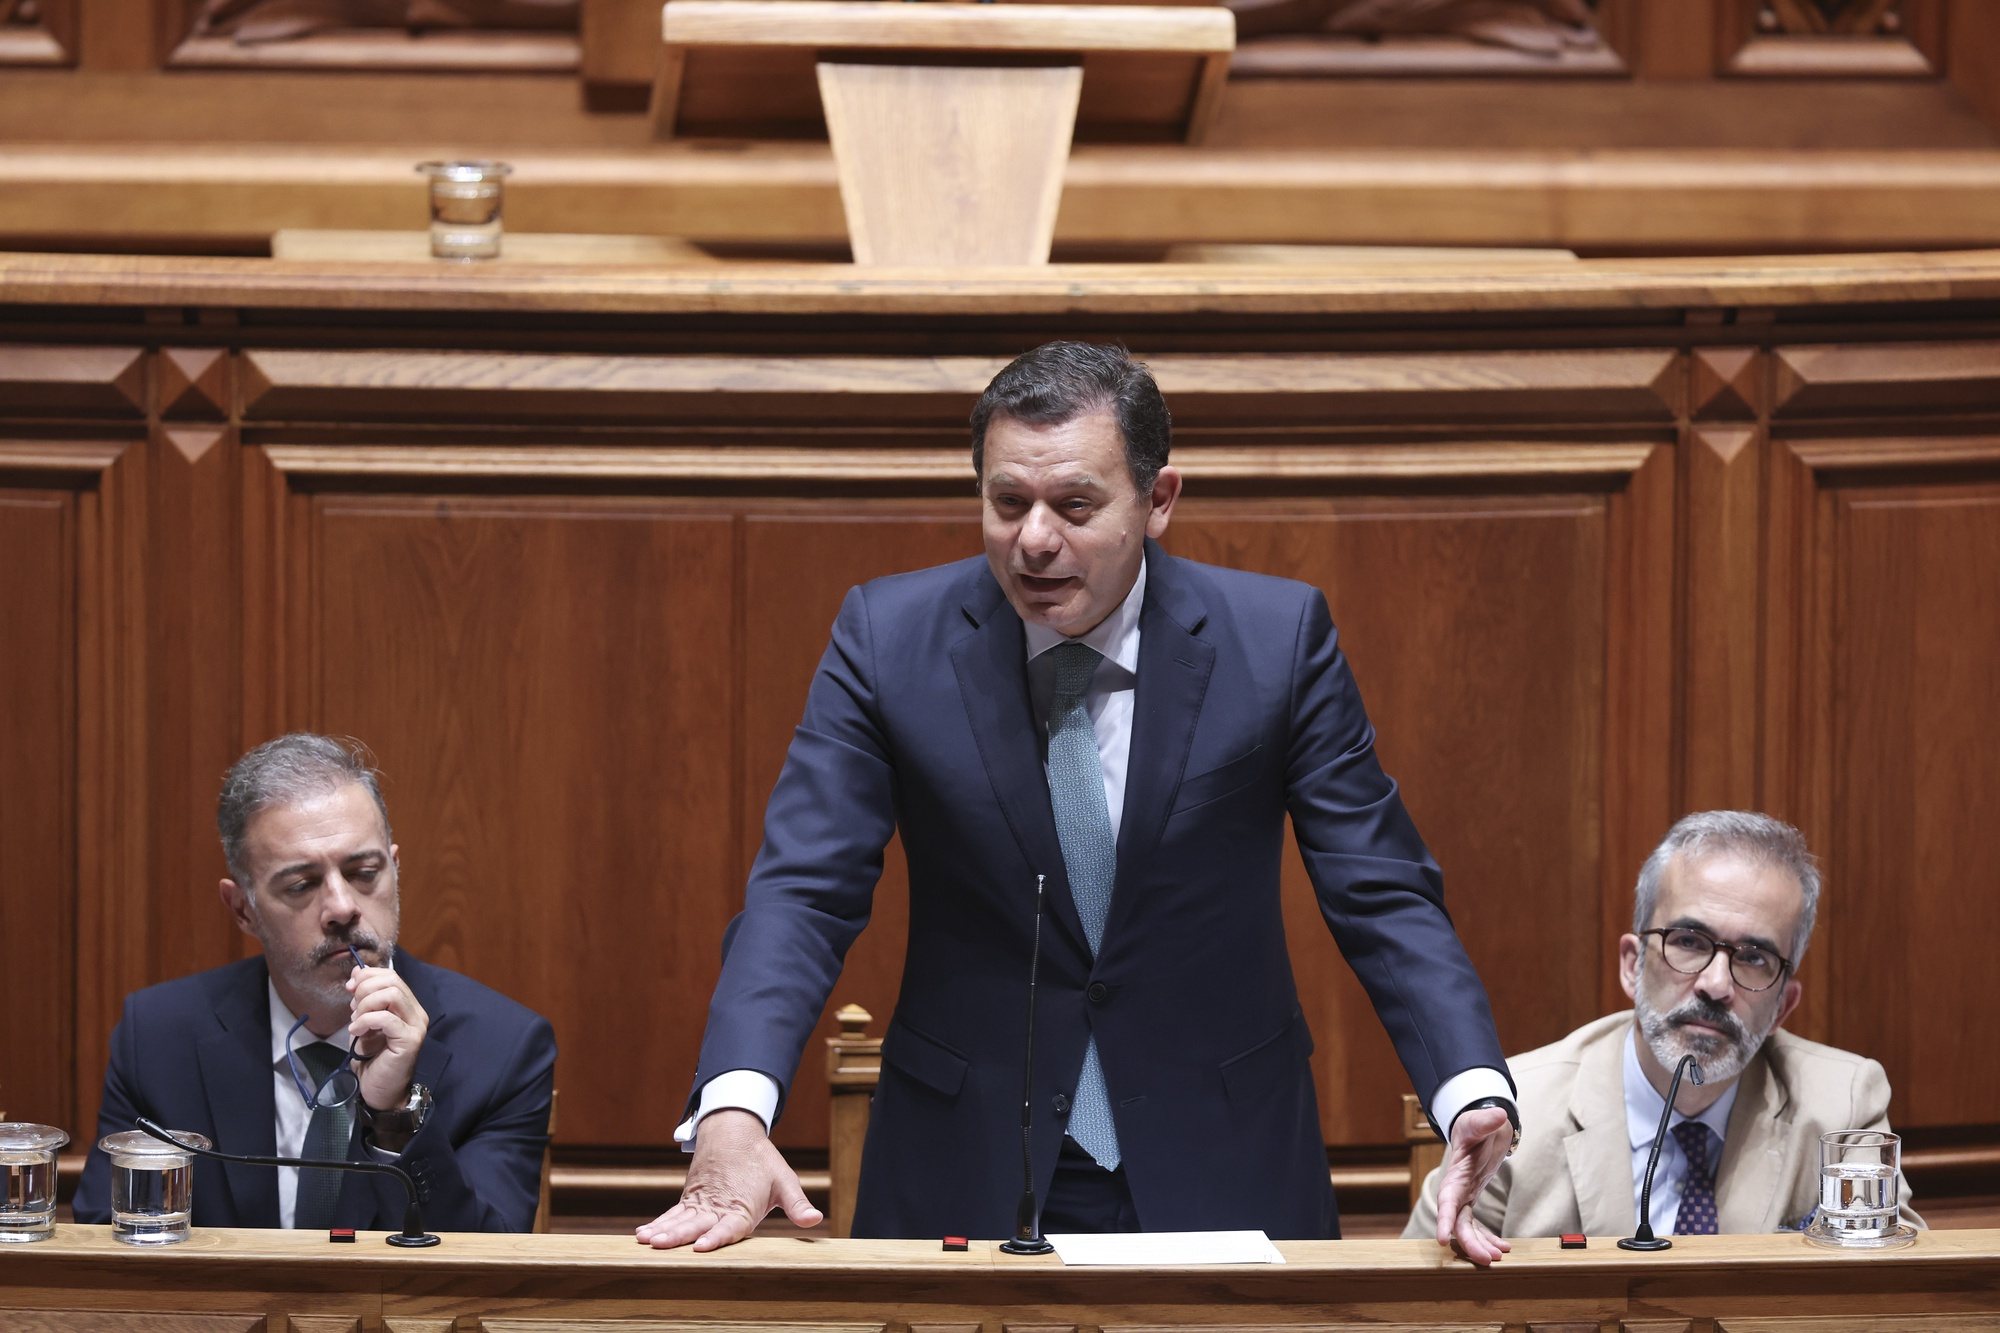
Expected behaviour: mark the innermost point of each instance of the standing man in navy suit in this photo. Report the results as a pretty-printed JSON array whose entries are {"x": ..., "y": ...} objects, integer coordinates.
[
  {"x": 449, "y": 1079},
  {"x": 1083, "y": 708}
]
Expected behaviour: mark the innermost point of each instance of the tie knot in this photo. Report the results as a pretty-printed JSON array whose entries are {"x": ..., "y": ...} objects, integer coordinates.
[
  {"x": 1694, "y": 1139},
  {"x": 320, "y": 1059},
  {"x": 1075, "y": 663}
]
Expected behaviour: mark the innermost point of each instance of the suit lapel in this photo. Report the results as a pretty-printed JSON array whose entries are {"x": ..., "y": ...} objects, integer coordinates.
[
  {"x": 1757, "y": 1156},
  {"x": 1174, "y": 668},
  {"x": 1599, "y": 1149},
  {"x": 234, "y": 1057},
  {"x": 992, "y": 667}
]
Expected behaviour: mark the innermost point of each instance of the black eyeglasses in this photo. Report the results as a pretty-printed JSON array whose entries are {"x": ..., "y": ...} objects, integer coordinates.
[
  {"x": 336, "y": 1089},
  {"x": 1689, "y": 950}
]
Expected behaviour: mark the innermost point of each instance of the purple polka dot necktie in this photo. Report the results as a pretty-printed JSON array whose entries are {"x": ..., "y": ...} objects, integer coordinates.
[{"x": 1697, "y": 1214}]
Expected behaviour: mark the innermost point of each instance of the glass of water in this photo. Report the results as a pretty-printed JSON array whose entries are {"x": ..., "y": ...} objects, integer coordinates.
[
  {"x": 465, "y": 208},
  {"x": 28, "y": 1155},
  {"x": 1858, "y": 1199},
  {"x": 152, "y": 1186}
]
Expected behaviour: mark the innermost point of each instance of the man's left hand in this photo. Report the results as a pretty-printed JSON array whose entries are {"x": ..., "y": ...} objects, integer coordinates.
[
  {"x": 388, "y": 1028},
  {"x": 1480, "y": 1138}
]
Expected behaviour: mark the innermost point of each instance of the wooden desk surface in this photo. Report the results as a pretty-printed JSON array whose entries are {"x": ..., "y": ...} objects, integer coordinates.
[
  {"x": 1066, "y": 290},
  {"x": 511, "y": 1284}
]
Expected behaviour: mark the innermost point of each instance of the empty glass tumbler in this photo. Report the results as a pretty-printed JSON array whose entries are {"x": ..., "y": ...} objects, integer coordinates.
[
  {"x": 28, "y": 1155},
  {"x": 465, "y": 208},
  {"x": 152, "y": 1186}
]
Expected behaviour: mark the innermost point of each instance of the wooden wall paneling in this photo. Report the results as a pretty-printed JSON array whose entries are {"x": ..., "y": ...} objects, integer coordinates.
[
  {"x": 1673, "y": 40},
  {"x": 1274, "y": 388},
  {"x": 1972, "y": 59},
  {"x": 1846, "y": 379},
  {"x": 564, "y": 834},
  {"x": 43, "y": 36},
  {"x": 127, "y": 36},
  {"x": 38, "y": 887},
  {"x": 72, "y": 381},
  {"x": 1477, "y": 625},
  {"x": 1723, "y": 537},
  {"x": 798, "y": 561},
  {"x": 1640, "y": 667},
  {"x": 1904, "y": 591},
  {"x": 194, "y": 709}
]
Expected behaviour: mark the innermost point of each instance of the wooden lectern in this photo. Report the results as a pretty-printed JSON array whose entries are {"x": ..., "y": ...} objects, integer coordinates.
[{"x": 950, "y": 122}]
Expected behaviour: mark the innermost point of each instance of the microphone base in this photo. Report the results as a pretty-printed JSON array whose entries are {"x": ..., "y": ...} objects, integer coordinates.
[
  {"x": 423, "y": 1242},
  {"x": 1026, "y": 1245},
  {"x": 1647, "y": 1243}
]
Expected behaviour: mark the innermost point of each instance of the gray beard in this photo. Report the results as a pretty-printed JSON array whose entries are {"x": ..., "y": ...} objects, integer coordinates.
[{"x": 1720, "y": 1058}]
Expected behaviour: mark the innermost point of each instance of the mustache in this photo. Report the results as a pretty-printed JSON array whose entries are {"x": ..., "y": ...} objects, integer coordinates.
[
  {"x": 1700, "y": 1009},
  {"x": 336, "y": 946}
]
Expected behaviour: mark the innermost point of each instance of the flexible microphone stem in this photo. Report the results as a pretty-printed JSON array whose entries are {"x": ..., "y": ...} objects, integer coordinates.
[
  {"x": 1027, "y": 1237},
  {"x": 1643, "y": 1238},
  {"x": 413, "y": 1234}
]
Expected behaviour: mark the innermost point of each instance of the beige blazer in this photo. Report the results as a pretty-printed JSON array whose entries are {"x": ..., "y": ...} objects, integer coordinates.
[{"x": 1573, "y": 1170}]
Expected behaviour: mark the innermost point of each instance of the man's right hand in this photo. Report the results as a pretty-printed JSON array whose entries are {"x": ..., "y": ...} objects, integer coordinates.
[{"x": 736, "y": 1178}]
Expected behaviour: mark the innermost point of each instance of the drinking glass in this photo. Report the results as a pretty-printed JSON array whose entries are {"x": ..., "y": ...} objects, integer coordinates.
[
  {"x": 465, "y": 208},
  {"x": 152, "y": 1186},
  {"x": 1858, "y": 1200},
  {"x": 28, "y": 1155}
]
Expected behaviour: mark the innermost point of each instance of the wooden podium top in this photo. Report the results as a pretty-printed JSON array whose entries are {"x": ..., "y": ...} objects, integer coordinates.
[{"x": 512, "y": 1284}]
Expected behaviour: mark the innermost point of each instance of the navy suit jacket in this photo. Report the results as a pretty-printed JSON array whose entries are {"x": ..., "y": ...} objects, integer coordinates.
[
  {"x": 195, "y": 1054},
  {"x": 918, "y": 721}
]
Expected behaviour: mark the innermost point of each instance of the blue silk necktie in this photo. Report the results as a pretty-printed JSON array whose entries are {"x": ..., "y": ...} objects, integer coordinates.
[{"x": 1090, "y": 856}]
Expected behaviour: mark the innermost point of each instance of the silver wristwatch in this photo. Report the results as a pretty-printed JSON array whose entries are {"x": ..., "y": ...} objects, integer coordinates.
[{"x": 401, "y": 1121}]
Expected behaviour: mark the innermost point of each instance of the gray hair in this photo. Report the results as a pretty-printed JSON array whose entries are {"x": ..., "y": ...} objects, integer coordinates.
[
  {"x": 1767, "y": 841},
  {"x": 279, "y": 772}
]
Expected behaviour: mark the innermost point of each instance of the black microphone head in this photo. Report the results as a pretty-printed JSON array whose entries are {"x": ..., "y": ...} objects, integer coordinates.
[
  {"x": 152, "y": 1127},
  {"x": 1694, "y": 1071}
]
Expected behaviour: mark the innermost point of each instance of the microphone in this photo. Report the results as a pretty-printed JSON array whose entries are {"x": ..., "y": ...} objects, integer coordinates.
[
  {"x": 1027, "y": 1237},
  {"x": 1643, "y": 1238},
  {"x": 413, "y": 1236}
]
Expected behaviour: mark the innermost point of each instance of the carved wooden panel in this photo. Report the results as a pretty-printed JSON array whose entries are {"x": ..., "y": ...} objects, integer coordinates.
[
  {"x": 491, "y": 1325},
  {"x": 1289, "y": 389},
  {"x": 1373, "y": 40},
  {"x": 37, "y": 812},
  {"x": 50, "y": 379},
  {"x": 1505, "y": 649},
  {"x": 1855, "y": 379},
  {"x": 113, "y": 1321},
  {"x": 38, "y": 32},
  {"x": 1894, "y": 608},
  {"x": 356, "y": 36},
  {"x": 549, "y": 687},
  {"x": 1831, "y": 38}
]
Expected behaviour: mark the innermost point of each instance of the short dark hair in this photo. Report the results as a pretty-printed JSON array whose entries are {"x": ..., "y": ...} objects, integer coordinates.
[
  {"x": 1061, "y": 381},
  {"x": 290, "y": 768}
]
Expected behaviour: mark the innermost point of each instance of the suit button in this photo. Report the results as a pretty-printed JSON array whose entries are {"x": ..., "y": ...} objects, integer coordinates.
[
  {"x": 1097, "y": 992},
  {"x": 1061, "y": 1104}
]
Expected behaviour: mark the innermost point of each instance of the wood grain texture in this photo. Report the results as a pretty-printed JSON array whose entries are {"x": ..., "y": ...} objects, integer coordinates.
[
  {"x": 1053, "y": 28},
  {"x": 949, "y": 166},
  {"x": 38, "y": 892},
  {"x": 1841, "y": 379},
  {"x": 582, "y": 1281},
  {"x": 574, "y": 806},
  {"x": 1724, "y": 610}
]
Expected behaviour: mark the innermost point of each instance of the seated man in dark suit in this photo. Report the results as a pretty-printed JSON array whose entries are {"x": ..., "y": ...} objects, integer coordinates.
[{"x": 406, "y": 1062}]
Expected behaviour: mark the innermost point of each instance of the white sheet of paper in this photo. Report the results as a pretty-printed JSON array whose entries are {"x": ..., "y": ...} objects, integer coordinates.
[{"x": 1169, "y": 1249}]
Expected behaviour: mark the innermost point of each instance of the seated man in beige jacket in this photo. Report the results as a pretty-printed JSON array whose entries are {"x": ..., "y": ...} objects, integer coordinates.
[{"x": 1724, "y": 908}]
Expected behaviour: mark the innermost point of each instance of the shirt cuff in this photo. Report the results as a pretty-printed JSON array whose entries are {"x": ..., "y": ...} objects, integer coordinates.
[
  {"x": 738, "y": 1090},
  {"x": 1464, "y": 1088},
  {"x": 382, "y": 1155}
]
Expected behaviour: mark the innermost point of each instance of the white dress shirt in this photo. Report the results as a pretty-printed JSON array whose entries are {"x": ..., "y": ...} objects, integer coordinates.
[
  {"x": 1109, "y": 701},
  {"x": 1643, "y": 1104}
]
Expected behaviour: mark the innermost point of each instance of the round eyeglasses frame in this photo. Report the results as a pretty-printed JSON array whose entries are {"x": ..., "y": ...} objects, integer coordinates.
[
  {"x": 337, "y": 1089},
  {"x": 1716, "y": 946}
]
